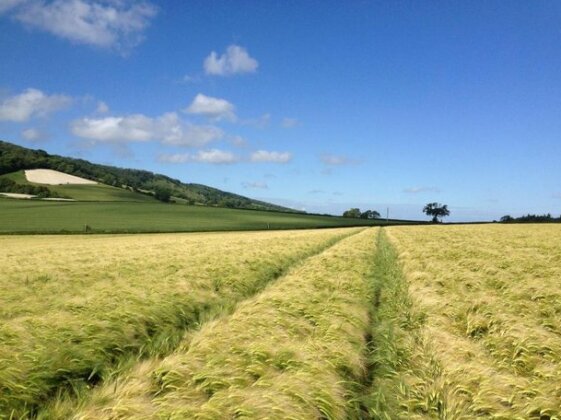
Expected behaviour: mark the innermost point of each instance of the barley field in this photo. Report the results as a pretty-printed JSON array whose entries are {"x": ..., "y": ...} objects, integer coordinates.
[
  {"x": 420, "y": 322},
  {"x": 76, "y": 309},
  {"x": 477, "y": 329},
  {"x": 294, "y": 351}
]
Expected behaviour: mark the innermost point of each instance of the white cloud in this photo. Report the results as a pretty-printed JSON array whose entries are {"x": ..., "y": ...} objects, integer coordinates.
[
  {"x": 212, "y": 156},
  {"x": 235, "y": 60},
  {"x": 337, "y": 160},
  {"x": 115, "y": 129},
  {"x": 167, "y": 128},
  {"x": 289, "y": 122},
  {"x": 31, "y": 103},
  {"x": 256, "y": 185},
  {"x": 267, "y": 156},
  {"x": 417, "y": 190},
  {"x": 108, "y": 24},
  {"x": 102, "y": 108},
  {"x": 214, "y": 108},
  {"x": 194, "y": 135},
  {"x": 32, "y": 134}
]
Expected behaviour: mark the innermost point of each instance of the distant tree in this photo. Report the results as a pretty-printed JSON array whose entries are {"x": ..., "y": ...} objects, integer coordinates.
[
  {"x": 353, "y": 213},
  {"x": 507, "y": 218},
  {"x": 162, "y": 194},
  {"x": 436, "y": 210},
  {"x": 370, "y": 214}
]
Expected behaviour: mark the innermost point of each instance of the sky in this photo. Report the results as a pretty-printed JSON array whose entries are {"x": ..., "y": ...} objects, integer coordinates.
[{"x": 316, "y": 105}]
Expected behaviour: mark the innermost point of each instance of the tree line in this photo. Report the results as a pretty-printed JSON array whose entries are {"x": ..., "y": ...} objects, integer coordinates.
[
  {"x": 531, "y": 218},
  {"x": 357, "y": 214}
]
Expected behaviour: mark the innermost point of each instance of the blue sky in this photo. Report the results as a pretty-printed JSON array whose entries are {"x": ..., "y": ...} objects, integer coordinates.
[{"x": 320, "y": 105}]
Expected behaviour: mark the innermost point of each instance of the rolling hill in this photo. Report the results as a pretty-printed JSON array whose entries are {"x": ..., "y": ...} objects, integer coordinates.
[
  {"x": 124, "y": 201},
  {"x": 119, "y": 184}
]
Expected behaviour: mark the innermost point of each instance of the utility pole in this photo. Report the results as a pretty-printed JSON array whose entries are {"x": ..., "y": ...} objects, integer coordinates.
[{"x": 388, "y": 215}]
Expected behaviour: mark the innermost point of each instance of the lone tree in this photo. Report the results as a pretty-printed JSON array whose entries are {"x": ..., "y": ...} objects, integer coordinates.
[{"x": 436, "y": 210}]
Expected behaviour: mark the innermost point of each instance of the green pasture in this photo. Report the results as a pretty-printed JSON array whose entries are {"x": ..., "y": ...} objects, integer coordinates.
[{"x": 38, "y": 216}]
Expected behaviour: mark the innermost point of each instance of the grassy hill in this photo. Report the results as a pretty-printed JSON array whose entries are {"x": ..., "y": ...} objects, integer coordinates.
[
  {"x": 35, "y": 216},
  {"x": 98, "y": 192},
  {"x": 15, "y": 158}
]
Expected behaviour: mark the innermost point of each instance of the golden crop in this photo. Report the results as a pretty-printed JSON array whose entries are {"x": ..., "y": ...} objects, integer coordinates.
[
  {"x": 296, "y": 350},
  {"x": 73, "y": 309},
  {"x": 490, "y": 343},
  {"x": 445, "y": 322}
]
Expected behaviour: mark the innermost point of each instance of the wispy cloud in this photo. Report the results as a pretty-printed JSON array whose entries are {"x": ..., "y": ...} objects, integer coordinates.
[
  {"x": 237, "y": 141},
  {"x": 31, "y": 103},
  {"x": 102, "y": 108},
  {"x": 255, "y": 185},
  {"x": 259, "y": 122},
  {"x": 236, "y": 60},
  {"x": 107, "y": 24},
  {"x": 214, "y": 108},
  {"x": 337, "y": 160},
  {"x": 557, "y": 195},
  {"x": 418, "y": 190},
  {"x": 212, "y": 156},
  {"x": 33, "y": 135},
  {"x": 316, "y": 192},
  {"x": 289, "y": 122},
  {"x": 270, "y": 156}
]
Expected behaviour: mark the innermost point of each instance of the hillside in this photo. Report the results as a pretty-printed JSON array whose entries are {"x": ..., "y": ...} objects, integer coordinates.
[
  {"x": 126, "y": 182},
  {"x": 96, "y": 192}
]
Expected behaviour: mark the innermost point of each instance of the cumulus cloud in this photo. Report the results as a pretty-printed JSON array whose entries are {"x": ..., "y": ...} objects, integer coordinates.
[
  {"x": 256, "y": 185},
  {"x": 417, "y": 190},
  {"x": 167, "y": 128},
  {"x": 235, "y": 60},
  {"x": 269, "y": 156},
  {"x": 210, "y": 107},
  {"x": 31, "y": 103},
  {"x": 289, "y": 122},
  {"x": 106, "y": 24},
  {"x": 337, "y": 160},
  {"x": 212, "y": 156}
]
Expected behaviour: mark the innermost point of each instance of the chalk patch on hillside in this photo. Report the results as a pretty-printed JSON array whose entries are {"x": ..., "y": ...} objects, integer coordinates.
[
  {"x": 51, "y": 177},
  {"x": 16, "y": 195}
]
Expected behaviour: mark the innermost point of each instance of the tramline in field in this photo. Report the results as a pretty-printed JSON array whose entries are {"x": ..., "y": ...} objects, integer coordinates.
[{"x": 400, "y": 322}]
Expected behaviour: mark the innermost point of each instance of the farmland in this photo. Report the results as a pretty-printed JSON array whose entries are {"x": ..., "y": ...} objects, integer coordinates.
[
  {"x": 476, "y": 331},
  {"x": 34, "y": 216},
  {"x": 393, "y": 322},
  {"x": 76, "y": 308}
]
